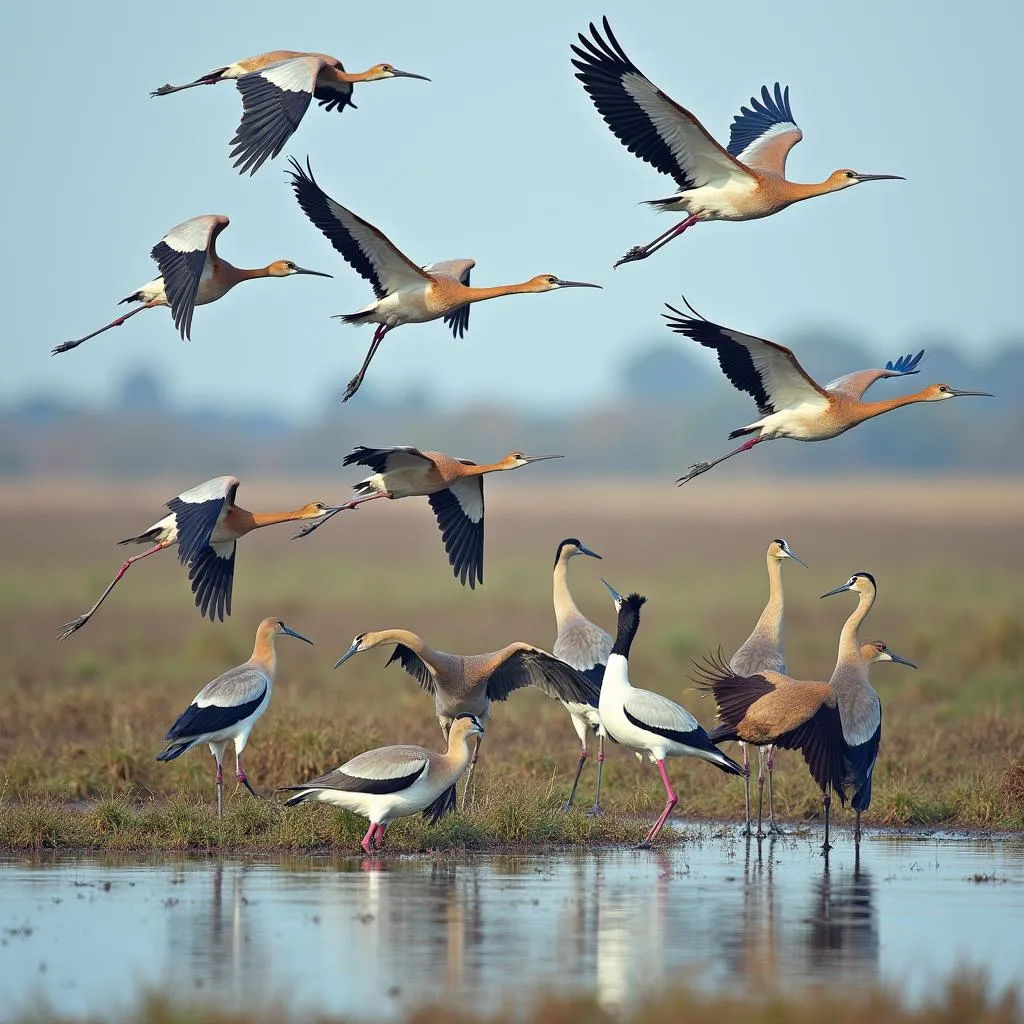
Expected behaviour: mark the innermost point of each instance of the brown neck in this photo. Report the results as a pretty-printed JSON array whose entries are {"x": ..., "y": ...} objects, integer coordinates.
[
  {"x": 565, "y": 607},
  {"x": 232, "y": 275},
  {"x": 795, "y": 191},
  {"x": 264, "y": 653},
  {"x": 353, "y": 76},
  {"x": 496, "y": 291},
  {"x": 241, "y": 521},
  {"x": 411, "y": 640},
  {"x": 769, "y": 625},
  {"x": 868, "y": 410}
]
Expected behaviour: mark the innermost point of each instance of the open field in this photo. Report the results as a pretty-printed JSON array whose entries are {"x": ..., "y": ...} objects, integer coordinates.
[{"x": 82, "y": 720}]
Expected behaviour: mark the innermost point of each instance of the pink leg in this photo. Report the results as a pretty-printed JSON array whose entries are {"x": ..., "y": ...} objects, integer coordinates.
[
  {"x": 241, "y": 776},
  {"x": 641, "y": 252},
  {"x": 367, "y": 843},
  {"x": 596, "y": 808},
  {"x": 702, "y": 467},
  {"x": 69, "y": 627},
  {"x": 378, "y": 836},
  {"x": 671, "y": 801},
  {"x": 353, "y": 384},
  {"x": 67, "y": 346}
]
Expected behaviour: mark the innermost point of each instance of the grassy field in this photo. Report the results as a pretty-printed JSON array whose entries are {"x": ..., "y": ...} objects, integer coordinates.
[{"x": 81, "y": 721}]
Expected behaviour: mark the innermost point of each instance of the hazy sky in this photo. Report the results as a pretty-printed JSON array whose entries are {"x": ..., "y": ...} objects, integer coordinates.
[{"x": 502, "y": 158}]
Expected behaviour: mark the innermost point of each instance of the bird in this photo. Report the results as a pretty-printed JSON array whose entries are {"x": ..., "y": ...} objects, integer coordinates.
[
  {"x": 745, "y": 181},
  {"x": 647, "y": 723},
  {"x": 836, "y": 725},
  {"x": 467, "y": 683},
  {"x": 191, "y": 274},
  {"x": 790, "y": 402},
  {"x": 227, "y": 708},
  {"x": 454, "y": 488},
  {"x": 405, "y": 293},
  {"x": 585, "y": 647},
  {"x": 276, "y": 88},
  {"x": 205, "y": 523},
  {"x": 762, "y": 651},
  {"x": 396, "y": 782}
]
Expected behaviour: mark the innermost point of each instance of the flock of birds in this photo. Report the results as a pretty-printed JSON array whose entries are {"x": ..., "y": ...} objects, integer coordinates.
[{"x": 835, "y": 724}]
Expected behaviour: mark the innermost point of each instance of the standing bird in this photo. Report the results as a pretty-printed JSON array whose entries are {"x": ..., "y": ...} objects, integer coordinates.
[
  {"x": 454, "y": 488},
  {"x": 585, "y": 647},
  {"x": 191, "y": 274},
  {"x": 648, "y": 723},
  {"x": 205, "y": 523},
  {"x": 791, "y": 404},
  {"x": 396, "y": 782},
  {"x": 744, "y": 182},
  {"x": 227, "y": 708},
  {"x": 467, "y": 683},
  {"x": 406, "y": 294},
  {"x": 762, "y": 652},
  {"x": 276, "y": 88}
]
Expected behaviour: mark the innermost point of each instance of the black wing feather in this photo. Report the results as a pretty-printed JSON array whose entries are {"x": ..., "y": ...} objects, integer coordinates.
[
  {"x": 444, "y": 804},
  {"x": 733, "y": 694},
  {"x": 197, "y": 721},
  {"x": 212, "y": 578},
  {"x": 753, "y": 121},
  {"x": 331, "y": 95},
  {"x": 463, "y": 539},
  {"x": 414, "y": 665},
  {"x": 356, "y": 784},
  {"x": 543, "y": 670},
  {"x": 820, "y": 740},
  {"x": 270, "y": 116},
  {"x": 697, "y": 738},
  {"x": 195, "y": 521},
  {"x": 181, "y": 272},
  {"x": 859, "y": 766}
]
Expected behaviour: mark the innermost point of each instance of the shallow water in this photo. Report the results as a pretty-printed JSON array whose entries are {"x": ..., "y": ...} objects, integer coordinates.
[{"x": 375, "y": 939}]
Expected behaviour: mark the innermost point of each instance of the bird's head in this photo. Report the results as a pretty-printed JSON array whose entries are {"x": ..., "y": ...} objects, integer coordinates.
[
  {"x": 314, "y": 510},
  {"x": 570, "y": 548},
  {"x": 780, "y": 549},
  {"x": 859, "y": 583},
  {"x": 363, "y": 642},
  {"x": 466, "y": 725},
  {"x": 272, "y": 628},
  {"x": 940, "y": 392},
  {"x": 874, "y": 651},
  {"x": 381, "y": 71},
  {"x": 844, "y": 178},
  {"x": 515, "y": 460},
  {"x": 285, "y": 268},
  {"x": 551, "y": 283}
]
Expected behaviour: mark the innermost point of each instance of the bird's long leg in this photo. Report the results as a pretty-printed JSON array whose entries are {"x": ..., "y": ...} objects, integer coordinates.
[
  {"x": 378, "y": 836},
  {"x": 595, "y": 810},
  {"x": 856, "y": 830},
  {"x": 773, "y": 828},
  {"x": 166, "y": 90},
  {"x": 702, "y": 467},
  {"x": 217, "y": 749},
  {"x": 240, "y": 774},
  {"x": 670, "y": 802},
  {"x": 67, "y": 346},
  {"x": 760, "y": 790},
  {"x": 469, "y": 774},
  {"x": 353, "y": 384},
  {"x": 354, "y": 503},
  {"x": 567, "y": 806},
  {"x": 746, "y": 791},
  {"x": 367, "y": 843},
  {"x": 69, "y": 627},
  {"x": 641, "y": 252},
  {"x": 826, "y": 801}
]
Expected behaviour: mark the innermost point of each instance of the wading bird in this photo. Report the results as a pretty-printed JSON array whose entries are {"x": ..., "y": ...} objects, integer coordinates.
[
  {"x": 585, "y": 647},
  {"x": 191, "y": 274},
  {"x": 276, "y": 88},
  {"x": 205, "y": 523},
  {"x": 762, "y": 652},
  {"x": 227, "y": 708},
  {"x": 744, "y": 182},
  {"x": 396, "y": 782},
  {"x": 647, "y": 723},
  {"x": 836, "y": 725},
  {"x": 406, "y": 294},
  {"x": 467, "y": 683},
  {"x": 454, "y": 488},
  {"x": 791, "y": 404}
]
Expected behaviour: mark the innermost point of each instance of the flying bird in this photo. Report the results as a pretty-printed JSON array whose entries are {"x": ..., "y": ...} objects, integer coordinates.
[
  {"x": 276, "y": 88},
  {"x": 191, "y": 274},
  {"x": 790, "y": 402},
  {"x": 227, "y": 708},
  {"x": 205, "y": 523},
  {"x": 745, "y": 181},
  {"x": 405, "y": 293}
]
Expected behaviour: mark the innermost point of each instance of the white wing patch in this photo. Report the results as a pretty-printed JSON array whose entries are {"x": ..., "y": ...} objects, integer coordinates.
[
  {"x": 193, "y": 235},
  {"x": 469, "y": 495},
  {"x": 298, "y": 75},
  {"x": 237, "y": 686},
  {"x": 655, "y": 710},
  {"x": 783, "y": 380},
  {"x": 213, "y": 489},
  {"x": 386, "y": 763}
]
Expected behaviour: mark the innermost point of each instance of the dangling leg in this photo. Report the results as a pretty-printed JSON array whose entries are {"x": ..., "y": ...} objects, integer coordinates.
[
  {"x": 670, "y": 802},
  {"x": 581, "y": 732},
  {"x": 641, "y": 252},
  {"x": 746, "y": 791},
  {"x": 353, "y": 384},
  {"x": 69, "y": 627},
  {"x": 773, "y": 828},
  {"x": 702, "y": 467},
  {"x": 596, "y": 809},
  {"x": 217, "y": 749},
  {"x": 67, "y": 346},
  {"x": 367, "y": 843},
  {"x": 166, "y": 90},
  {"x": 378, "y": 836},
  {"x": 826, "y": 800},
  {"x": 240, "y": 771},
  {"x": 469, "y": 775},
  {"x": 760, "y": 790}
]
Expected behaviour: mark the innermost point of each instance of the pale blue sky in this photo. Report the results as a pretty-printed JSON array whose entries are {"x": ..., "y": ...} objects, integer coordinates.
[{"x": 501, "y": 158}]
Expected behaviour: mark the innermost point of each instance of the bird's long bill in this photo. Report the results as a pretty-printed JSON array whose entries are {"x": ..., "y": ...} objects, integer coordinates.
[
  {"x": 354, "y": 649},
  {"x": 298, "y": 636},
  {"x": 963, "y": 394},
  {"x": 587, "y": 551},
  {"x": 796, "y": 558},
  {"x": 838, "y": 590},
  {"x": 880, "y": 177},
  {"x": 312, "y": 273},
  {"x": 577, "y": 284},
  {"x": 540, "y": 458},
  {"x": 900, "y": 661},
  {"x": 616, "y": 596},
  {"x": 395, "y": 73}
]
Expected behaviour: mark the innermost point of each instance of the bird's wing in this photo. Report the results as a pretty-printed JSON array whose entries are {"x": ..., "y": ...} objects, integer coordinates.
[
  {"x": 366, "y": 249},
  {"x": 583, "y": 645},
  {"x": 415, "y": 666},
  {"x": 524, "y": 665},
  {"x": 181, "y": 256},
  {"x": 220, "y": 704},
  {"x": 273, "y": 102},
  {"x": 820, "y": 740},
  {"x": 855, "y": 384},
  {"x": 768, "y": 372},
  {"x": 645, "y": 120},
  {"x": 460, "y": 515},
  {"x": 197, "y": 512},
  {"x": 458, "y": 318},
  {"x": 212, "y": 573},
  {"x": 330, "y": 94},
  {"x": 763, "y": 134},
  {"x": 381, "y": 460},
  {"x": 382, "y": 771},
  {"x": 659, "y": 714}
]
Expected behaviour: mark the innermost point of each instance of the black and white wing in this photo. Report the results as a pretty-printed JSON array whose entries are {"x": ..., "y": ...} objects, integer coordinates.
[
  {"x": 181, "y": 256},
  {"x": 380, "y": 772},
  {"x": 524, "y": 665},
  {"x": 460, "y": 515},
  {"x": 414, "y": 665},
  {"x": 221, "y": 704},
  {"x": 197, "y": 512},
  {"x": 383, "y": 460},
  {"x": 585, "y": 647},
  {"x": 763, "y": 134},
  {"x": 820, "y": 740},
  {"x": 457, "y": 319},
  {"x": 212, "y": 574}
]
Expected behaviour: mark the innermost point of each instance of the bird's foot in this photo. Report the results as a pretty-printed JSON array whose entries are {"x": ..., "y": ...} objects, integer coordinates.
[
  {"x": 645, "y": 845},
  {"x": 747, "y": 832},
  {"x": 241, "y": 776},
  {"x": 825, "y": 847},
  {"x": 775, "y": 830},
  {"x": 695, "y": 470},
  {"x": 596, "y": 811},
  {"x": 65, "y": 346},
  {"x": 70, "y": 627},
  {"x": 760, "y": 834},
  {"x": 351, "y": 388},
  {"x": 567, "y": 807},
  {"x": 638, "y": 252}
]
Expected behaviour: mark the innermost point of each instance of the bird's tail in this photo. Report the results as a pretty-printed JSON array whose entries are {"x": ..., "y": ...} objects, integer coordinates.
[
  {"x": 134, "y": 297},
  {"x": 362, "y": 317},
  {"x": 663, "y": 204},
  {"x": 173, "y": 750},
  {"x": 743, "y": 431},
  {"x": 725, "y": 763},
  {"x": 303, "y": 794},
  {"x": 722, "y": 733},
  {"x": 149, "y": 537},
  {"x": 364, "y": 487},
  {"x": 444, "y": 804}
]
